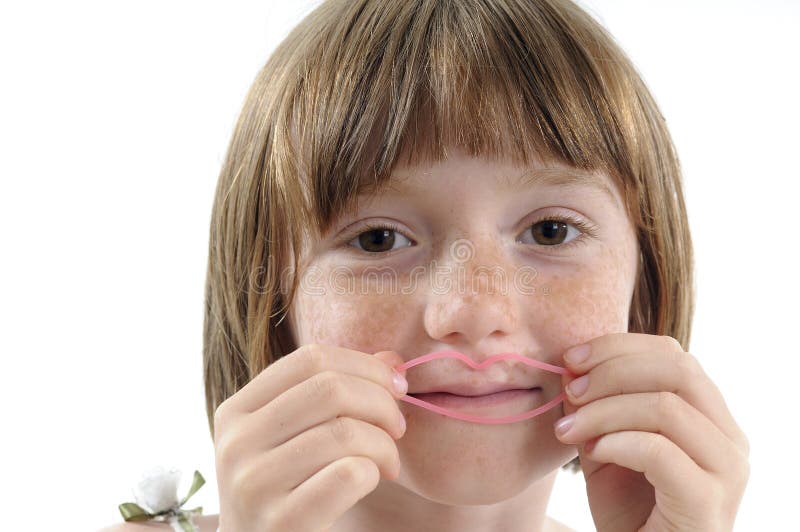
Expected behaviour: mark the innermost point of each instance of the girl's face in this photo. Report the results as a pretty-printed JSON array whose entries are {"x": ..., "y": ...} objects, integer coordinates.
[{"x": 481, "y": 257}]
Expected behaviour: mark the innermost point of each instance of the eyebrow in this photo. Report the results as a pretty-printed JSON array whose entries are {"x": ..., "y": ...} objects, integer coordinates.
[{"x": 565, "y": 177}]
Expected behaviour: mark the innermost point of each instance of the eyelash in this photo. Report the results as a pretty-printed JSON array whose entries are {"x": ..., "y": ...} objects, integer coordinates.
[
  {"x": 372, "y": 226},
  {"x": 587, "y": 230}
]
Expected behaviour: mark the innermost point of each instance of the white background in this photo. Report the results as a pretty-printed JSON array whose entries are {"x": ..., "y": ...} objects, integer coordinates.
[{"x": 114, "y": 120}]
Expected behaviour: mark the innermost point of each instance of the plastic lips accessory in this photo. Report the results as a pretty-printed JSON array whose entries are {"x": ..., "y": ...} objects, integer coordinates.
[{"x": 486, "y": 363}]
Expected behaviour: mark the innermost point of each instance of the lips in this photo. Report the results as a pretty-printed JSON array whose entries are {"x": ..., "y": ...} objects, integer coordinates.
[
  {"x": 473, "y": 390},
  {"x": 450, "y": 403},
  {"x": 469, "y": 404},
  {"x": 475, "y": 383}
]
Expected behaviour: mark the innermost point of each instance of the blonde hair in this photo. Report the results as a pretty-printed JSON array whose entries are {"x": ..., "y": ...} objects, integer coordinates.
[{"x": 360, "y": 83}]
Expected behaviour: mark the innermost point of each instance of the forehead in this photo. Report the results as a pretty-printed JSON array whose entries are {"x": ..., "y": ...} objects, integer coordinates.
[{"x": 415, "y": 180}]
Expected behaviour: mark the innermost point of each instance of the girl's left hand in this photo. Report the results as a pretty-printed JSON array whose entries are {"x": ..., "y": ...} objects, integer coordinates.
[{"x": 662, "y": 450}]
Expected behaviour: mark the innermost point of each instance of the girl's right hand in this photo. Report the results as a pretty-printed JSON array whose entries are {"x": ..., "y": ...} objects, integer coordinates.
[{"x": 307, "y": 438}]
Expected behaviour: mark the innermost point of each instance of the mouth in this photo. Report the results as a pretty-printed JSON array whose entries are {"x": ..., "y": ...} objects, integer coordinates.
[
  {"x": 467, "y": 392},
  {"x": 451, "y": 400}
]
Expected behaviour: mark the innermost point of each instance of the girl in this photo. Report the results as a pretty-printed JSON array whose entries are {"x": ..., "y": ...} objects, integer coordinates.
[{"x": 388, "y": 156}]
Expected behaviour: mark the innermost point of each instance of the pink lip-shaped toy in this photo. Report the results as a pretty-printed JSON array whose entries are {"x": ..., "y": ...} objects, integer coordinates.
[{"x": 486, "y": 363}]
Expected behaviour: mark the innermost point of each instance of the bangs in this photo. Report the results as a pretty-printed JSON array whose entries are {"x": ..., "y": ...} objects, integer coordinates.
[{"x": 391, "y": 82}]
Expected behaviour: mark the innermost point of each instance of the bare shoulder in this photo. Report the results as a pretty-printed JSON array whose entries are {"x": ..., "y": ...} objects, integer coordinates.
[
  {"x": 204, "y": 523},
  {"x": 551, "y": 525}
]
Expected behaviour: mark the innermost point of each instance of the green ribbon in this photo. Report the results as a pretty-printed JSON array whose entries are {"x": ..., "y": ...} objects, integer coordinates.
[{"x": 133, "y": 512}]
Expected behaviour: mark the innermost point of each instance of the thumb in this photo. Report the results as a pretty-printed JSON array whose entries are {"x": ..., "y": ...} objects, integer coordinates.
[
  {"x": 588, "y": 466},
  {"x": 569, "y": 408},
  {"x": 391, "y": 359}
]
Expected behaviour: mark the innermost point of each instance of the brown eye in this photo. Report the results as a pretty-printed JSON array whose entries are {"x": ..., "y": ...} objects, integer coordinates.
[
  {"x": 378, "y": 240},
  {"x": 552, "y": 232}
]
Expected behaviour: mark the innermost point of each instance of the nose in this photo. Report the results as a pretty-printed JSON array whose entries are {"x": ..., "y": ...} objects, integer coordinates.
[{"x": 471, "y": 298}]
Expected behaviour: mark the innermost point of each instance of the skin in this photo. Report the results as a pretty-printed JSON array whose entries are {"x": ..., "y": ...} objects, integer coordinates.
[
  {"x": 457, "y": 475},
  {"x": 659, "y": 449}
]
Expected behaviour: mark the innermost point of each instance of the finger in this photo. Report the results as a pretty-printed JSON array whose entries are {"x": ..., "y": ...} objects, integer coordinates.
[
  {"x": 391, "y": 359},
  {"x": 659, "y": 412},
  {"x": 302, "y": 364},
  {"x": 663, "y": 463},
  {"x": 324, "y": 396},
  {"x": 330, "y": 492},
  {"x": 608, "y": 346},
  {"x": 628, "y": 370},
  {"x": 314, "y": 449}
]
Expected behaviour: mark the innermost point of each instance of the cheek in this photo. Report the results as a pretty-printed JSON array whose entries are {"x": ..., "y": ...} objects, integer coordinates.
[
  {"x": 358, "y": 317},
  {"x": 585, "y": 303}
]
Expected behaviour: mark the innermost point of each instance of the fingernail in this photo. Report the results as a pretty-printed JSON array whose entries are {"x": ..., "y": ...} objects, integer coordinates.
[
  {"x": 577, "y": 354},
  {"x": 400, "y": 383},
  {"x": 578, "y": 386},
  {"x": 564, "y": 424},
  {"x": 403, "y": 421}
]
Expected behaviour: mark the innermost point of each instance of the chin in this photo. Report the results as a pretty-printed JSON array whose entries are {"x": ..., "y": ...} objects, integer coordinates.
[
  {"x": 465, "y": 490},
  {"x": 476, "y": 481}
]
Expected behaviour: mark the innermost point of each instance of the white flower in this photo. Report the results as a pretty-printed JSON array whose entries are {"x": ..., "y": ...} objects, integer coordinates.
[{"x": 158, "y": 490}]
